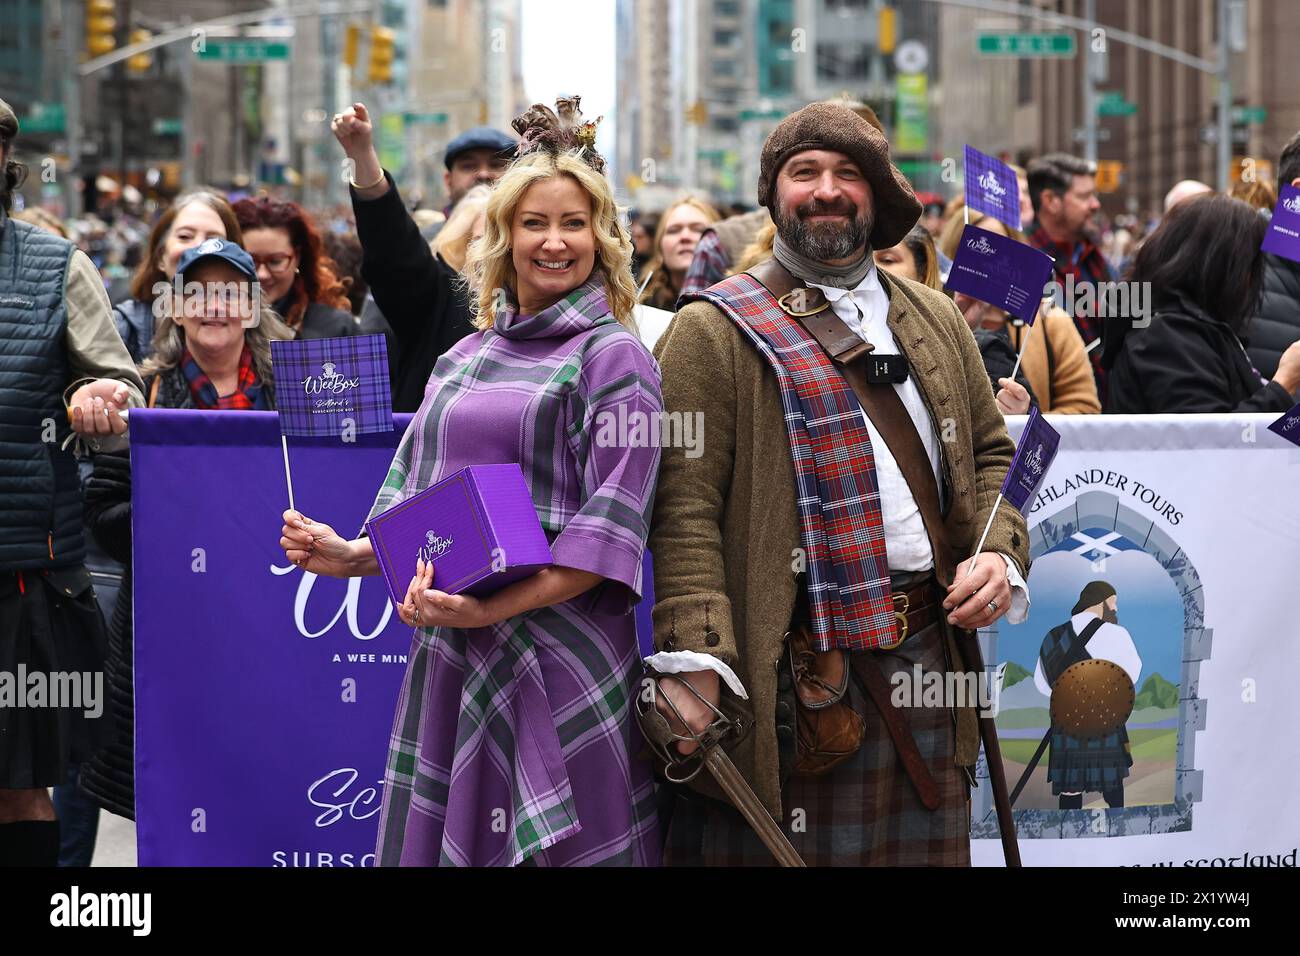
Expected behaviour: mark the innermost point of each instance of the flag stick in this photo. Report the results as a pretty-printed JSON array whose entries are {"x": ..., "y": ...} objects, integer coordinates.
[
  {"x": 288, "y": 479},
  {"x": 979, "y": 547},
  {"x": 1024, "y": 343},
  {"x": 644, "y": 282}
]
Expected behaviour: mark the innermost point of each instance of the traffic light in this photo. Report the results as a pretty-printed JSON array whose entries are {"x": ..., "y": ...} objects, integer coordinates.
[
  {"x": 140, "y": 62},
  {"x": 1109, "y": 175},
  {"x": 381, "y": 55},
  {"x": 351, "y": 45},
  {"x": 100, "y": 25}
]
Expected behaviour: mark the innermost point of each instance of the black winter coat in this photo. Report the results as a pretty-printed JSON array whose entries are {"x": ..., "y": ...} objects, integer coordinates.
[
  {"x": 108, "y": 778},
  {"x": 1185, "y": 361},
  {"x": 1000, "y": 358},
  {"x": 421, "y": 297},
  {"x": 1277, "y": 323}
]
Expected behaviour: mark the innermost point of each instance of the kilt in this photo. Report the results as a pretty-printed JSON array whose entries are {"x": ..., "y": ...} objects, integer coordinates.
[
  {"x": 51, "y": 624},
  {"x": 865, "y": 812},
  {"x": 1088, "y": 765}
]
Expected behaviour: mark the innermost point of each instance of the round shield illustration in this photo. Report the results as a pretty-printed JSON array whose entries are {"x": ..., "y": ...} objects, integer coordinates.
[{"x": 1092, "y": 699}]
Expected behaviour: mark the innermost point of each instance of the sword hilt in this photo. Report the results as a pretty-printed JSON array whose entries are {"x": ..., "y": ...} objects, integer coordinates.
[{"x": 663, "y": 739}]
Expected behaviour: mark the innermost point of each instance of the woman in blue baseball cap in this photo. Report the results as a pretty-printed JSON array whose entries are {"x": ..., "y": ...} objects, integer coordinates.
[{"x": 212, "y": 351}]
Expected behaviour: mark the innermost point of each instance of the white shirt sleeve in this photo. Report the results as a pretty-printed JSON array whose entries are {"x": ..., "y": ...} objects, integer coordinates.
[
  {"x": 1019, "y": 609},
  {"x": 680, "y": 662},
  {"x": 1114, "y": 643},
  {"x": 1040, "y": 681}
]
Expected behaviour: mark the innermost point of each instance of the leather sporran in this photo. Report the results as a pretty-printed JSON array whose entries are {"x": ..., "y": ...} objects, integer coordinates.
[{"x": 827, "y": 730}]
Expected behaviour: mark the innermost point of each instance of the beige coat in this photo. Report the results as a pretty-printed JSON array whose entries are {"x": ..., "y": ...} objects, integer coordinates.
[
  {"x": 1069, "y": 388},
  {"x": 725, "y": 531}
]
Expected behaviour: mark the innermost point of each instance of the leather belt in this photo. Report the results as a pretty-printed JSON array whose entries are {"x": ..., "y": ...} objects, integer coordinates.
[{"x": 915, "y": 608}]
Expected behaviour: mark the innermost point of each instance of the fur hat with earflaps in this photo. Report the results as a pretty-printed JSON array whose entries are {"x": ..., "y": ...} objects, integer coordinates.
[{"x": 832, "y": 126}]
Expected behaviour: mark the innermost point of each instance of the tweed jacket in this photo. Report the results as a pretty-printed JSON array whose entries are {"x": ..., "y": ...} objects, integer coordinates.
[{"x": 725, "y": 532}]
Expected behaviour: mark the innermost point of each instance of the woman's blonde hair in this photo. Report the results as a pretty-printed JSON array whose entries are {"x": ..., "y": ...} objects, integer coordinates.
[
  {"x": 660, "y": 292},
  {"x": 757, "y": 251},
  {"x": 490, "y": 265},
  {"x": 452, "y": 241},
  {"x": 169, "y": 342},
  {"x": 950, "y": 234}
]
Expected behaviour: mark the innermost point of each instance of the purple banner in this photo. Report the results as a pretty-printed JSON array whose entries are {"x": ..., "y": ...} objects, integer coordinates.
[
  {"x": 992, "y": 188},
  {"x": 1000, "y": 271},
  {"x": 1283, "y": 237},
  {"x": 264, "y": 696},
  {"x": 322, "y": 385},
  {"x": 1033, "y": 458},
  {"x": 1288, "y": 426}
]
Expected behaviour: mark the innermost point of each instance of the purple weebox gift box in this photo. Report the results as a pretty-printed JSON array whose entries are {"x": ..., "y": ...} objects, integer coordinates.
[{"x": 478, "y": 527}]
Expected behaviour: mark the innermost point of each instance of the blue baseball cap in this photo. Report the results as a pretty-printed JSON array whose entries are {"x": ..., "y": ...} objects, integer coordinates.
[
  {"x": 480, "y": 137},
  {"x": 223, "y": 249}
]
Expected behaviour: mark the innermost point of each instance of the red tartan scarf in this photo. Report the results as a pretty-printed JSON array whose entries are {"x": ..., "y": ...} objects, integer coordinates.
[
  {"x": 840, "y": 520},
  {"x": 248, "y": 393}
]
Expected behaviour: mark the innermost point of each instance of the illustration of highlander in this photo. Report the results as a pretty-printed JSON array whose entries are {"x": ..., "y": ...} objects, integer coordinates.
[{"x": 1088, "y": 667}]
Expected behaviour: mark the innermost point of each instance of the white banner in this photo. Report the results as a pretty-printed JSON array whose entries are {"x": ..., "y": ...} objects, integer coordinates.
[{"x": 1191, "y": 522}]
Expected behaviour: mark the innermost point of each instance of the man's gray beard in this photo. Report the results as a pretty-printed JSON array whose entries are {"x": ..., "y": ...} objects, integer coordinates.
[{"x": 825, "y": 242}]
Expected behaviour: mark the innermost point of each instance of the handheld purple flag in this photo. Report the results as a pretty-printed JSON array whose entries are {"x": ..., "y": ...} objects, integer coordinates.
[
  {"x": 1283, "y": 236},
  {"x": 1034, "y": 454},
  {"x": 1288, "y": 426},
  {"x": 323, "y": 385},
  {"x": 992, "y": 187},
  {"x": 1000, "y": 271}
]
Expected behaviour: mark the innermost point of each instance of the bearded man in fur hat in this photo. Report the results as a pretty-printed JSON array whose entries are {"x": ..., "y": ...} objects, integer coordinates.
[{"x": 815, "y": 557}]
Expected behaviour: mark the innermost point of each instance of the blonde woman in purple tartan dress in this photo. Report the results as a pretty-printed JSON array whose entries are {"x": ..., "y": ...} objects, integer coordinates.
[{"x": 515, "y": 739}]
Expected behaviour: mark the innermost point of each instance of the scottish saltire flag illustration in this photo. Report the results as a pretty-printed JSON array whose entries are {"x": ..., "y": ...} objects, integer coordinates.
[
  {"x": 1000, "y": 271},
  {"x": 1283, "y": 236},
  {"x": 1037, "y": 448},
  {"x": 992, "y": 188},
  {"x": 322, "y": 385},
  {"x": 1288, "y": 426}
]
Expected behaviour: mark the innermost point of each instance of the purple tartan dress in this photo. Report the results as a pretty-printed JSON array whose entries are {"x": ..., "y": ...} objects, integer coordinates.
[{"x": 518, "y": 741}]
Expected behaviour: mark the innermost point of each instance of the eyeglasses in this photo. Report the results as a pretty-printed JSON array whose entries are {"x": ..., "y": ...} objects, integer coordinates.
[{"x": 275, "y": 264}]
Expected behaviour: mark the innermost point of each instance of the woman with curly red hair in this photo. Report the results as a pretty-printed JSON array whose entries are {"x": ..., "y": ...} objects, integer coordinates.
[{"x": 299, "y": 280}]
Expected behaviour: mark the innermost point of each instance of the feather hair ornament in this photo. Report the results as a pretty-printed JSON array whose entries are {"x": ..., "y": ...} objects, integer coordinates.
[{"x": 559, "y": 130}]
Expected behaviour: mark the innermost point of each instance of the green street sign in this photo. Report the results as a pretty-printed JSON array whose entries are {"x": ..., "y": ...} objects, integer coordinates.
[
  {"x": 1025, "y": 44},
  {"x": 244, "y": 51},
  {"x": 436, "y": 118},
  {"x": 169, "y": 126},
  {"x": 1253, "y": 115},
  {"x": 1112, "y": 103},
  {"x": 44, "y": 118},
  {"x": 746, "y": 115}
]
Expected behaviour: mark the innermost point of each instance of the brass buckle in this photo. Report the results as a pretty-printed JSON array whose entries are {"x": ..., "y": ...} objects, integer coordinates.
[
  {"x": 790, "y": 310},
  {"x": 900, "y": 617}
]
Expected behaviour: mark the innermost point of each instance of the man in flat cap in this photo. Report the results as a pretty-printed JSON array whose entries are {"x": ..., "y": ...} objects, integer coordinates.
[
  {"x": 64, "y": 368},
  {"x": 817, "y": 553}
]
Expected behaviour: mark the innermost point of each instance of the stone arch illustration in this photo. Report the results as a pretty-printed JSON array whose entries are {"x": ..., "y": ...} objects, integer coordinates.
[{"x": 1099, "y": 509}]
